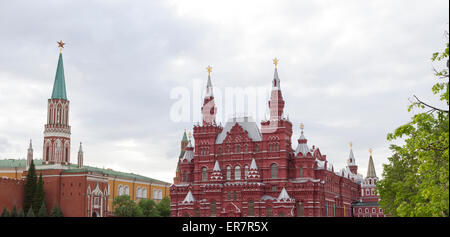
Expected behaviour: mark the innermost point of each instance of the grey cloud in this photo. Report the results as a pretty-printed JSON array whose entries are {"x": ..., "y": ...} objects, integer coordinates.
[{"x": 346, "y": 70}]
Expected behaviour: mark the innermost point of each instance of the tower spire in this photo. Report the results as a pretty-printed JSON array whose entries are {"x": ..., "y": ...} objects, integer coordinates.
[
  {"x": 209, "y": 108},
  {"x": 80, "y": 157},
  {"x": 59, "y": 86},
  {"x": 351, "y": 162},
  {"x": 276, "y": 102},
  {"x": 29, "y": 155},
  {"x": 371, "y": 168}
]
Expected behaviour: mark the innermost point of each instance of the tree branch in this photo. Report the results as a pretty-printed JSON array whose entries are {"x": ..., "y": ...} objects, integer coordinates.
[{"x": 429, "y": 106}]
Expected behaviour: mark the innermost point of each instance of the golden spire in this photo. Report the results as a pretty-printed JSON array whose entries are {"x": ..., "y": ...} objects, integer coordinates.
[
  {"x": 351, "y": 145},
  {"x": 189, "y": 135},
  {"x": 209, "y": 69},
  {"x": 275, "y": 61},
  {"x": 370, "y": 150},
  {"x": 60, "y": 45},
  {"x": 302, "y": 126}
]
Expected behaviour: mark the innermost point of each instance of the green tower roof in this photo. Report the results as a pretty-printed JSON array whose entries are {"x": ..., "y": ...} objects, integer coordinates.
[
  {"x": 184, "y": 137},
  {"x": 59, "y": 87}
]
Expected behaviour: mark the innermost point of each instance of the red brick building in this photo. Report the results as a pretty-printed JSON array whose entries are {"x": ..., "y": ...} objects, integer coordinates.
[
  {"x": 242, "y": 170},
  {"x": 79, "y": 190}
]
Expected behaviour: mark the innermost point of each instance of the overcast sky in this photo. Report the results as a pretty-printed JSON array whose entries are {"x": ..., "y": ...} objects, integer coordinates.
[{"x": 347, "y": 69}]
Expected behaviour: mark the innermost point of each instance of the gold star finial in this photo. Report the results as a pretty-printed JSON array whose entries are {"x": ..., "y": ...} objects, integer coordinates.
[
  {"x": 370, "y": 150},
  {"x": 302, "y": 126},
  {"x": 209, "y": 69},
  {"x": 351, "y": 145},
  {"x": 60, "y": 45},
  {"x": 275, "y": 61}
]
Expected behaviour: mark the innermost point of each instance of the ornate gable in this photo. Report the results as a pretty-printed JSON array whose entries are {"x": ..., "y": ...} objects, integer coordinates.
[{"x": 237, "y": 135}]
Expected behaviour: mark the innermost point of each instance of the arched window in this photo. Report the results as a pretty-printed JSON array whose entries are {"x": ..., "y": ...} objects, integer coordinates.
[
  {"x": 229, "y": 196},
  {"x": 301, "y": 172},
  {"x": 256, "y": 148},
  {"x": 245, "y": 171},
  {"x": 237, "y": 149},
  {"x": 186, "y": 177},
  {"x": 144, "y": 193},
  {"x": 251, "y": 208},
  {"x": 245, "y": 148},
  {"x": 234, "y": 195},
  {"x": 274, "y": 171},
  {"x": 228, "y": 149},
  {"x": 237, "y": 173},
  {"x": 59, "y": 116},
  {"x": 220, "y": 150},
  {"x": 47, "y": 153},
  {"x": 213, "y": 208},
  {"x": 120, "y": 190},
  {"x": 138, "y": 192},
  {"x": 127, "y": 190},
  {"x": 204, "y": 174},
  {"x": 228, "y": 172}
]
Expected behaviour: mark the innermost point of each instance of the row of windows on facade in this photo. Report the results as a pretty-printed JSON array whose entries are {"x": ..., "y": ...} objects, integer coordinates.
[
  {"x": 140, "y": 192},
  {"x": 370, "y": 181},
  {"x": 237, "y": 149},
  {"x": 251, "y": 210},
  {"x": 58, "y": 119},
  {"x": 374, "y": 210},
  {"x": 368, "y": 192},
  {"x": 300, "y": 209},
  {"x": 237, "y": 173}
]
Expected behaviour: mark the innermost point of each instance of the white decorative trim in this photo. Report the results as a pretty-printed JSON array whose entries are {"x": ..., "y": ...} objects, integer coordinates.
[{"x": 57, "y": 134}]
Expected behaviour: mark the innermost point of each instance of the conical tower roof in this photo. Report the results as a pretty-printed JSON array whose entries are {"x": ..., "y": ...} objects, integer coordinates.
[
  {"x": 371, "y": 169},
  {"x": 59, "y": 86},
  {"x": 185, "y": 139}
]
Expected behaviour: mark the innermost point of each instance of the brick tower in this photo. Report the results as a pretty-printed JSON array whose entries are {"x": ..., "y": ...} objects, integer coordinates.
[{"x": 57, "y": 130}]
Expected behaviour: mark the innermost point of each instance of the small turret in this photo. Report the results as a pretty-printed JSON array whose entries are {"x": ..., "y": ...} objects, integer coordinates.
[
  {"x": 29, "y": 155},
  {"x": 351, "y": 162},
  {"x": 80, "y": 157}
]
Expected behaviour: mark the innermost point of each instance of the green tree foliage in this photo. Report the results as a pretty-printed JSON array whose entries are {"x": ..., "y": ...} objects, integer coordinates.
[
  {"x": 148, "y": 207},
  {"x": 416, "y": 180},
  {"x": 5, "y": 212},
  {"x": 43, "y": 211},
  {"x": 125, "y": 207},
  {"x": 21, "y": 214},
  {"x": 30, "y": 187},
  {"x": 30, "y": 212},
  {"x": 39, "y": 195},
  {"x": 13, "y": 212},
  {"x": 163, "y": 207},
  {"x": 56, "y": 212}
]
